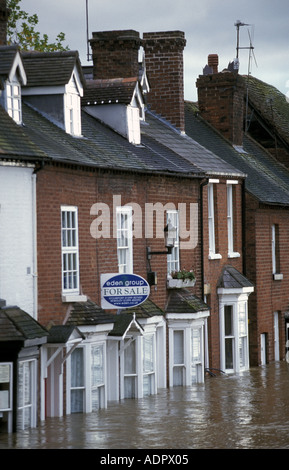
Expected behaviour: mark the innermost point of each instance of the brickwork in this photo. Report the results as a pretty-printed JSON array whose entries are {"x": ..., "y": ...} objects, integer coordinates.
[
  {"x": 164, "y": 65},
  {"x": 213, "y": 267},
  {"x": 221, "y": 103},
  {"x": 115, "y": 54},
  {"x": 270, "y": 295},
  {"x": 59, "y": 186}
]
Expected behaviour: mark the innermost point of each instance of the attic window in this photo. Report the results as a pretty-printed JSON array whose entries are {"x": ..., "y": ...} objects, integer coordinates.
[
  {"x": 72, "y": 114},
  {"x": 13, "y": 101}
]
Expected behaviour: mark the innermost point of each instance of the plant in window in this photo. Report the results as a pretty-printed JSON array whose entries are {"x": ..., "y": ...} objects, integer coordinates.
[{"x": 183, "y": 274}]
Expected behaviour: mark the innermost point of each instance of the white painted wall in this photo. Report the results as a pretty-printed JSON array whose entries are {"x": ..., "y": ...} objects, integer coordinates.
[{"x": 17, "y": 238}]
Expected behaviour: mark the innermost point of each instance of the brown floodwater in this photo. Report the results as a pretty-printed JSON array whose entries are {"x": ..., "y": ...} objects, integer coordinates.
[{"x": 246, "y": 411}]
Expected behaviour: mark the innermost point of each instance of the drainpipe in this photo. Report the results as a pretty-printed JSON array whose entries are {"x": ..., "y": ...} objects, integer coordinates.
[
  {"x": 244, "y": 252},
  {"x": 34, "y": 238},
  {"x": 203, "y": 183}
]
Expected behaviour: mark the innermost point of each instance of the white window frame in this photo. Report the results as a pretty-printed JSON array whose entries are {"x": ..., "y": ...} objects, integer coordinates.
[
  {"x": 239, "y": 335},
  {"x": 124, "y": 239},
  {"x": 211, "y": 221},
  {"x": 149, "y": 373},
  {"x": 13, "y": 100},
  {"x": 173, "y": 259},
  {"x": 191, "y": 368},
  {"x": 277, "y": 276},
  {"x": 276, "y": 337},
  {"x": 230, "y": 219},
  {"x": 27, "y": 404},
  {"x": 69, "y": 250},
  {"x": 88, "y": 387},
  {"x": 72, "y": 106}
]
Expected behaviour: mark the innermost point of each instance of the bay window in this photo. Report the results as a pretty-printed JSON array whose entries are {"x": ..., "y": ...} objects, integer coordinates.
[
  {"x": 234, "y": 334},
  {"x": 26, "y": 415},
  {"x": 86, "y": 379},
  {"x": 148, "y": 365}
]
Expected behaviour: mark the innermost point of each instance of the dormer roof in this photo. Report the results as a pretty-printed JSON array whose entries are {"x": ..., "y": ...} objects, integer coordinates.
[
  {"x": 111, "y": 91},
  {"x": 11, "y": 64},
  {"x": 51, "y": 69}
]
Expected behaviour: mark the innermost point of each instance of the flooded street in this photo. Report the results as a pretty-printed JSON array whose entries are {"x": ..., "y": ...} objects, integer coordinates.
[{"x": 249, "y": 411}]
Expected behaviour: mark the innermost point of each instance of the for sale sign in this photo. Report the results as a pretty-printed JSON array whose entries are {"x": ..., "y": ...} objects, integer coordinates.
[{"x": 123, "y": 290}]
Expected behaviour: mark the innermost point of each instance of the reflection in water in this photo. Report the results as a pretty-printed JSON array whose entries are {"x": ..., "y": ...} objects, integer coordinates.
[{"x": 227, "y": 412}]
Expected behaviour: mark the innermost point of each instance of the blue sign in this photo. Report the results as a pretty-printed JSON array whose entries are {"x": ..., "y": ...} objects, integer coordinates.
[{"x": 123, "y": 290}]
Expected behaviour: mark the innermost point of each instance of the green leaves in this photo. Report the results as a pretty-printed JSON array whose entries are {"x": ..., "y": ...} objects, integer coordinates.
[{"x": 21, "y": 30}]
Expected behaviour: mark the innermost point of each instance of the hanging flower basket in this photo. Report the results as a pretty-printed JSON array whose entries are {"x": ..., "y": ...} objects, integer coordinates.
[{"x": 181, "y": 279}]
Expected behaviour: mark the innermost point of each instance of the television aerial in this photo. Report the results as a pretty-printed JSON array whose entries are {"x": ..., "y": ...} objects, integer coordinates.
[{"x": 238, "y": 24}]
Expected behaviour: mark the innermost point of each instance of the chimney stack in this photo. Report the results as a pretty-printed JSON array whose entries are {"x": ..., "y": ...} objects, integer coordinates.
[
  {"x": 115, "y": 54},
  {"x": 221, "y": 101},
  {"x": 165, "y": 71},
  {"x": 4, "y": 15}
]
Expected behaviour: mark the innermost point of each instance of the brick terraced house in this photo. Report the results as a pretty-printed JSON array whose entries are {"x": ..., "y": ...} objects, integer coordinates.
[
  {"x": 218, "y": 122},
  {"x": 95, "y": 163},
  {"x": 114, "y": 171}
]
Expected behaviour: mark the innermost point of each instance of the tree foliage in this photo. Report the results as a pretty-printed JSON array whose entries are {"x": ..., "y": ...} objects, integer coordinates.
[{"x": 21, "y": 29}]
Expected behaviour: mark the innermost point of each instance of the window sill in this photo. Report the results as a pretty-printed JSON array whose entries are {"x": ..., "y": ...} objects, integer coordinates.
[
  {"x": 215, "y": 256},
  {"x": 234, "y": 254},
  {"x": 74, "y": 298},
  {"x": 180, "y": 283},
  {"x": 277, "y": 277}
]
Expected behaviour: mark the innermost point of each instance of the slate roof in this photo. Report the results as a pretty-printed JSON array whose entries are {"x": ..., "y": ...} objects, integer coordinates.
[
  {"x": 60, "y": 334},
  {"x": 14, "y": 142},
  {"x": 17, "y": 325},
  {"x": 183, "y": 301},
  {"x": 103, "y": 148},
  {"x": 109, "y": 91},
  {"x": 267, "y": 179},
  {"x": 7, "y": 57},
  {"x": 147, "y": 309},
  {"x": 231, "y": 278},
  {"x": 125, "y": 321},
  {"x": 271, "y": 105},
  {"x": 45, "y": 69},
  {"x": 89, "y": 313},
  {"x": 203, "y": 159}
]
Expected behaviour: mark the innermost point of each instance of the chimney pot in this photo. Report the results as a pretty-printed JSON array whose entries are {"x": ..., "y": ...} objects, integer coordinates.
[{"x": 213, "y": 62}]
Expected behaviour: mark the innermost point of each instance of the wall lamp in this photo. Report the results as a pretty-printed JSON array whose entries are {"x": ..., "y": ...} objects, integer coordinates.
[{"x": 170, "y": 234}]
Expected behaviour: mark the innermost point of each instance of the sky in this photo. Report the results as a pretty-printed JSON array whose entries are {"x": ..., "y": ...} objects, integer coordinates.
[{"x": 209, "y": 27}]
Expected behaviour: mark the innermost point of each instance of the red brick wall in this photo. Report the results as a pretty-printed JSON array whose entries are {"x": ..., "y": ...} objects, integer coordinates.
[
  {"x": 164, "y": 65},
  {"x": 59, "y": 186},
  {"x": 270, "y": 295},
  {"x": 213, "y": 267}
]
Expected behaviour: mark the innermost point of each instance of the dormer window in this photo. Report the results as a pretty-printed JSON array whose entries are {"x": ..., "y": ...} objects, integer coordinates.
[
  {"x": 13, "y": 77},
  {"x": 72, "y": 114},
  {"x": 55, "y": 87},
  {"x": 13, "y": 101},
  {"x": 72, "y": 109}
]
